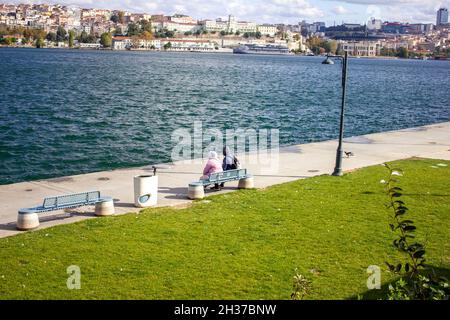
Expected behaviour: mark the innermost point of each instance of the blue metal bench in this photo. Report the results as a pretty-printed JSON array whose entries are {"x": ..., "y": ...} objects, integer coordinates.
[
  {"x": 225, "y": 176},
  {"x": 28, "y": 219},
  {"x": 196, "y": 189}
]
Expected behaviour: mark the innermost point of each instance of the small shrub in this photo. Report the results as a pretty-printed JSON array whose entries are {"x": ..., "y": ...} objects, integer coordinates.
[
  {"x": 301, "y": 287},
  {"x": 417, "y": 282}
]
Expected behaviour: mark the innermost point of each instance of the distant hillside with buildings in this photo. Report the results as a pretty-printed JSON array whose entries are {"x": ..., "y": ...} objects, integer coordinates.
[{"x": 53, "y": 25}]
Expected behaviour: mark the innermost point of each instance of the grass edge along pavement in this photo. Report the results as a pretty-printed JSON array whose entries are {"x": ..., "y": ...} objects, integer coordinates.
[{"x": 241, "y": 245}]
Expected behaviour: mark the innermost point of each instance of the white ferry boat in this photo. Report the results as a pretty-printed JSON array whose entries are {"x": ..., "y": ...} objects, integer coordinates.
[{"x": 262, "y": 49}]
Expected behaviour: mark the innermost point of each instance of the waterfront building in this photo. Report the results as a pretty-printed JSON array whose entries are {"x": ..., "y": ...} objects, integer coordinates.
[
  {"x": 429, "y": 27},
  {"x": 374, "y": 24},
  {"x": 319, "y": 26},
  {"x": 442, "y": 17},
  {"x": 198, "y": 45},
  {"x": 267, "y": 30},
  {"x": 351, "y": 26},
  {"x": 425, "y": 46},
  {"x": 231, "y": 25},
  {"x": 244, "y": 26},
  {"x": 361, "y": 48},
  {"x": 73, "y": 18},
  {"x": 419, "y": 28},
  {"x": 127, "y": 43},
  {"x": 181, "y": 18},
  {"x": 310, "y": 28},
  {"x": 86, "y": 28},
  {"x": 176, "y": 23},
  {"x": 158, "y": 18},
  {"x": 136, "y": 17},
  {"x": 178, "y": 26},
  {"x": 152, "y": 44},
  {"x": 157, "y": 22},
  {"x": 281, "y": 27},
  {"x": 121, "y": 43},
  {"x": 88, "y": 45},
  {"x": 146, "y": 16},
  {"x": 214, "y": 25},
  {"x": 8, "y": 19},
  {"x": 395, "y": 27},
  {"x": 395, "y": 44}
]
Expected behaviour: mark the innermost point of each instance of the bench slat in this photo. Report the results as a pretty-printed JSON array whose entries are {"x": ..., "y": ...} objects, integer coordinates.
[
  {"x": 228, "y": 175},
  {"x": 69, "y": 200},
  {"x": 225, "y": 176},
  {"x": 49, "y": 202}
]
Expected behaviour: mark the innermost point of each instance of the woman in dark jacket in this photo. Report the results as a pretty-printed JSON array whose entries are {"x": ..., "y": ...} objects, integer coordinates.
[{"x": 230, "y": 162}]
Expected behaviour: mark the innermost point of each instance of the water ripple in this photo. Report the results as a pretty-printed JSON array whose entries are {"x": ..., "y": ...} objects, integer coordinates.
[{"x": 68, "y": 112}]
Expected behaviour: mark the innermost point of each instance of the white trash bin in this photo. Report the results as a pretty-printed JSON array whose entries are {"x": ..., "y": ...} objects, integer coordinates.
[{"x": 145, "y": 191}]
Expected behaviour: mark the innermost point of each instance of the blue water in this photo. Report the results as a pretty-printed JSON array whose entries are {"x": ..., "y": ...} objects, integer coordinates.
[{"x": 68, "y": 112}]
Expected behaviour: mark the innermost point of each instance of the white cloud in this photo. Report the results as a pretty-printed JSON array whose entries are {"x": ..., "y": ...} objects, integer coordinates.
[
  {"x": 397, "y": 10},
  {"x": 340, "y": 10},
  {"x": 435, "y": 3}
]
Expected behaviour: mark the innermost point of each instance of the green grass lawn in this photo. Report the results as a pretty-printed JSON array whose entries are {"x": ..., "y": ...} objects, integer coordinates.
[{"x": 241, "y": 245}]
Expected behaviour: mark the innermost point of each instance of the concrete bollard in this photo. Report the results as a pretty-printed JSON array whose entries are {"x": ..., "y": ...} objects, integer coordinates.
[
  {"x": 196, "y": 191},
  {"x": 246, "y": 183},
  {"x": 27, "y": 220},
  {"x": 105, "y": 207}
]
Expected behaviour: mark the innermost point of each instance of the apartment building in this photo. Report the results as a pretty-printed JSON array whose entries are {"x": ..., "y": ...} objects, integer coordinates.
[
  {"x": 231, "y": 25},
  {"x": 178, "y": 26},
  {"x": 361, "y": 48},
  {"x": 126, "y": 43},
  {"x": 267, "y": 30}
]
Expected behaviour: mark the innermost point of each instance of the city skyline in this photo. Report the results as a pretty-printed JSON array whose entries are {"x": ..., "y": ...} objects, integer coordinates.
[{"x": 277, "y": 11}]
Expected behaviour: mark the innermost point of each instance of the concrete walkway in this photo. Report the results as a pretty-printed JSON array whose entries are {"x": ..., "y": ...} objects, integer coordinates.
[{"x": 294, "y": 162}]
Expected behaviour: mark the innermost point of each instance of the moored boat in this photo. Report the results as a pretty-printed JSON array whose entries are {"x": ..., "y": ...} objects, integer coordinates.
[{"x": 262, "y": 49}]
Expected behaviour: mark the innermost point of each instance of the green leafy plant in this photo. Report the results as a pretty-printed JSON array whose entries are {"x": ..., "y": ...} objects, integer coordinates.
[
  {"x": 416, "y": 282},
  {"x": 403, "y": 228},
  {"x": 434, "y": 287},
  {"x": 301, "y": 287},
  {"x": 398, "y": 291}
]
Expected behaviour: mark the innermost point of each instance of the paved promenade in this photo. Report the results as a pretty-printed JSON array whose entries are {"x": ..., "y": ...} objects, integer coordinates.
[{"x": 294, "y": 162}]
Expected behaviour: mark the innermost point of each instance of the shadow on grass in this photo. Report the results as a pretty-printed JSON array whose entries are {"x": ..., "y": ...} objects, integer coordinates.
[
  {"x": 426, "y": 194},
  {"x": 409, "y": 194},
  {"x": 381, "y": 294}
]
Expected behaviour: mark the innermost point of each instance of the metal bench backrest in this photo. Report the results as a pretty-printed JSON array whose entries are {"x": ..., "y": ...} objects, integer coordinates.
[
  {"x": 228, "y": 175},
  {"x": 71, "y": 199}
]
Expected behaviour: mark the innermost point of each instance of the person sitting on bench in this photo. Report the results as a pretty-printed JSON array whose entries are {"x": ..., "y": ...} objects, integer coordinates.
[
  {"x": 230, "y": 162},
  {"x": 212, "y": 166}
]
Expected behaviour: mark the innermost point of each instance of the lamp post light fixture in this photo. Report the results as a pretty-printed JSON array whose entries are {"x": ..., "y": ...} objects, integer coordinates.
[{"x": 340, "y": 152}]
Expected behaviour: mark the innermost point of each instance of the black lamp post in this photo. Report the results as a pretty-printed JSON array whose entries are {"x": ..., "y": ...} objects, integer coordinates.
[{"x": 340, "y": 152}]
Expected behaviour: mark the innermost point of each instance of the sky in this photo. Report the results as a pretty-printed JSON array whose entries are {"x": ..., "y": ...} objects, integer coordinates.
[{"x": 276, "y": 11}]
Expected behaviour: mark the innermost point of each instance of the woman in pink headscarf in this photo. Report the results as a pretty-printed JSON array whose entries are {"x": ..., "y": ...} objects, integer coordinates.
[{"x": 212, "y": 166}]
